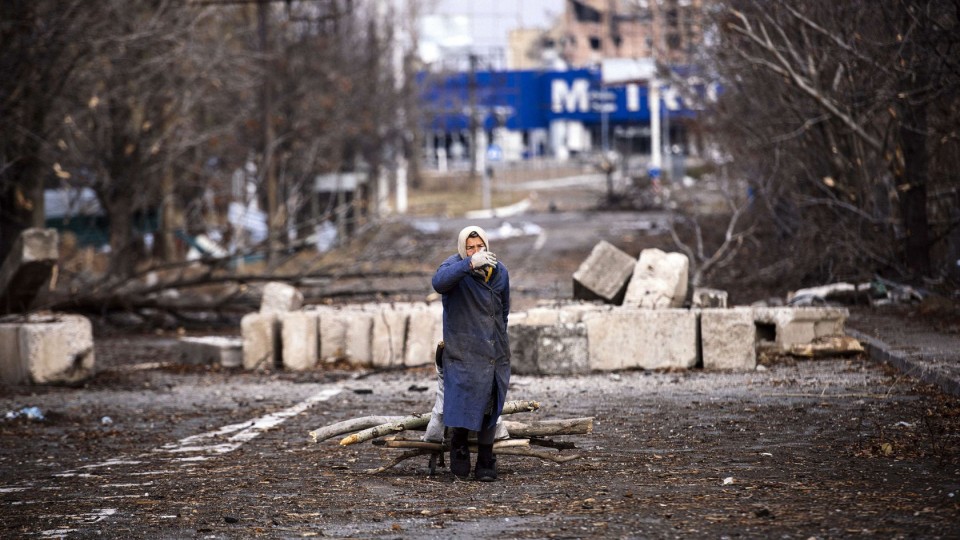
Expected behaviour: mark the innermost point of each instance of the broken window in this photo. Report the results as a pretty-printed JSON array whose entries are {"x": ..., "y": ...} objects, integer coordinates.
[{"x": 585, "y": 13}]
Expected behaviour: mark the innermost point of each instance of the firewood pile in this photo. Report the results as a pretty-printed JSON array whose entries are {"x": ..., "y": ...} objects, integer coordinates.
[{"x": 532, "y": 439}]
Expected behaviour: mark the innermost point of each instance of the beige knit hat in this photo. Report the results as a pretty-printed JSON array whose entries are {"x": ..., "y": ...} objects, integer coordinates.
[{"x": 465, "y": 233}]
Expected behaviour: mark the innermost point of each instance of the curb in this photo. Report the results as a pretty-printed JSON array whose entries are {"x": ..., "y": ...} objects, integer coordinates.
[{"x": 912, "y": 365}]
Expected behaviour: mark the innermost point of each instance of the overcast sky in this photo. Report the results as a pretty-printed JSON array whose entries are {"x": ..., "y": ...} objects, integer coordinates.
[{"x": 490, "y": 21}]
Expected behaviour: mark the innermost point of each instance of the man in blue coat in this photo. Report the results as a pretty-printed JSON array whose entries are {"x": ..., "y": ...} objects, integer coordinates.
[{"x": 476, "y": 353}]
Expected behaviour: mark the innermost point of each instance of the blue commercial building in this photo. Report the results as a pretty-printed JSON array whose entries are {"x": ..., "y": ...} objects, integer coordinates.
[{"x": 560, "y": 114}]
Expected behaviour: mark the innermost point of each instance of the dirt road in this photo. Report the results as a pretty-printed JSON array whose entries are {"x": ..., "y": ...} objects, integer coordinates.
[{"x": 824, "y": 449}]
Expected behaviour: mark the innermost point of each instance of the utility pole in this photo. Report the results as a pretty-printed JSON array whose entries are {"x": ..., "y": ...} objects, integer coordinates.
[
  {"x": 268, "y": 173},
  {"x": 474, "y": 121}
]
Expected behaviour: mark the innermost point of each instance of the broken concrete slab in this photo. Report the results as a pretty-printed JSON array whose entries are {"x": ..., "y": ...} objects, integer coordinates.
[
  {"x": 261, "y": 340},
  {"x": 299, "y": 340},
  {"x": 642, "y": 338},
  {"x": 212, "y": 350},
  {"x": 784, "y": 327},
  {"x": 549, "y": 349},
  {"x": 27, "y": 269},
  {"x": 659, "y": 280},
  {"x": 604, "y": 274},
  {"x": 728, "y": 339},
  {"x": 279, "y": 297},
  {"x": 47, "y": 349}
]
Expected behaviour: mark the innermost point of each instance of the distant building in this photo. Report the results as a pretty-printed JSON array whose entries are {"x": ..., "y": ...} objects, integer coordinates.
[
  {"x": 578, "y": 88},
  {"x": 668, "y": 30}
]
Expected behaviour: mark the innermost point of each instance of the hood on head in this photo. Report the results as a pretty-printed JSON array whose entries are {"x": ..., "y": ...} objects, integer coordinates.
[{"x": 465, "y": 233}]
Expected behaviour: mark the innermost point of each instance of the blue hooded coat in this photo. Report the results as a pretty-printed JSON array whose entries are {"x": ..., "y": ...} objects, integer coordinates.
[{"x": 476, "y": 353}]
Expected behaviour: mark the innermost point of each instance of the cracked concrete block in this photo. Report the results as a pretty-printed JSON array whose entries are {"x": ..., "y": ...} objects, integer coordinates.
[
  {"x": 279, "y": 297},
  {"x": 298, "y": 336},
  {"x": 659, "y": 280},
  {"x": 211, "y": 350},
  {"x": 642, "y": 338},
  {"x": 261, "y": 340},
  {"x": 604, "y": 274},
  {"x": 789, "y": 326},
  {"x": 47, "y": 349},
  {"x": 728, "y": 339},
  {"x": 424, "y": 331},
  {"x": 389, "y": 335}
]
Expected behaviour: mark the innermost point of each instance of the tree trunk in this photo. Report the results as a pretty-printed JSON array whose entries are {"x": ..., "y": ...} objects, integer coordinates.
[
  {"x": 123, "y": 252},
  {"x": 912, "y": 186}
]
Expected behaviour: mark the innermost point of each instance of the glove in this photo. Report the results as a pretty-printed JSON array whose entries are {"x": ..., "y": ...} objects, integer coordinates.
[{"x": 483, "y": 258}]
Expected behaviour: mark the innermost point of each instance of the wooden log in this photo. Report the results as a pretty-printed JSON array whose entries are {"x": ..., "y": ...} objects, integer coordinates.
[
  {"x": 421, "y": 420},
  {"x": 349, "y": 426},
  {"x": 544, "y": 428}
]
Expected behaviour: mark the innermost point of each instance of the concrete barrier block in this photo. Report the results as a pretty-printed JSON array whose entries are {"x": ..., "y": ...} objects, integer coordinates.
[
  {"x": 298, "y": 336},
  {"x": 424, "y": 331},
  {"x": 523, "y": 348},
  {"x": 332, "y": 333},
  {"x": 659, "y": 280},
  {"x": 359, "y": 337},
  {"x": 604, "y": 274},
  {"x": 389, "y": 335},
  {"x": 261, "y": 336},
  {"x": 12, "y": 369},
  {"x": 549, "y": 350},
  {"x": 27, "y": 268},
  {"x": 789, "y": 326},
  {"x": 641, "y": 338},
  {"x": 212, "y": 350},
  {"x": 56, "y": 348},
  {"x": 279, "y": 297},
  {"x": 728, "y": 339}
]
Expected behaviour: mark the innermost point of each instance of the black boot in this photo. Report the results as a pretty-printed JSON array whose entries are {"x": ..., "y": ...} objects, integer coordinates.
[
  {"x": 486, "y": 470},
  {"x": 459, "y": 453}
]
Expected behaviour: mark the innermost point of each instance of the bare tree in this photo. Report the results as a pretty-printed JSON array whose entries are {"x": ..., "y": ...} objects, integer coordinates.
[
  {"x": 827, "y": 111},
  {"x": 42, "y": 44}
]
